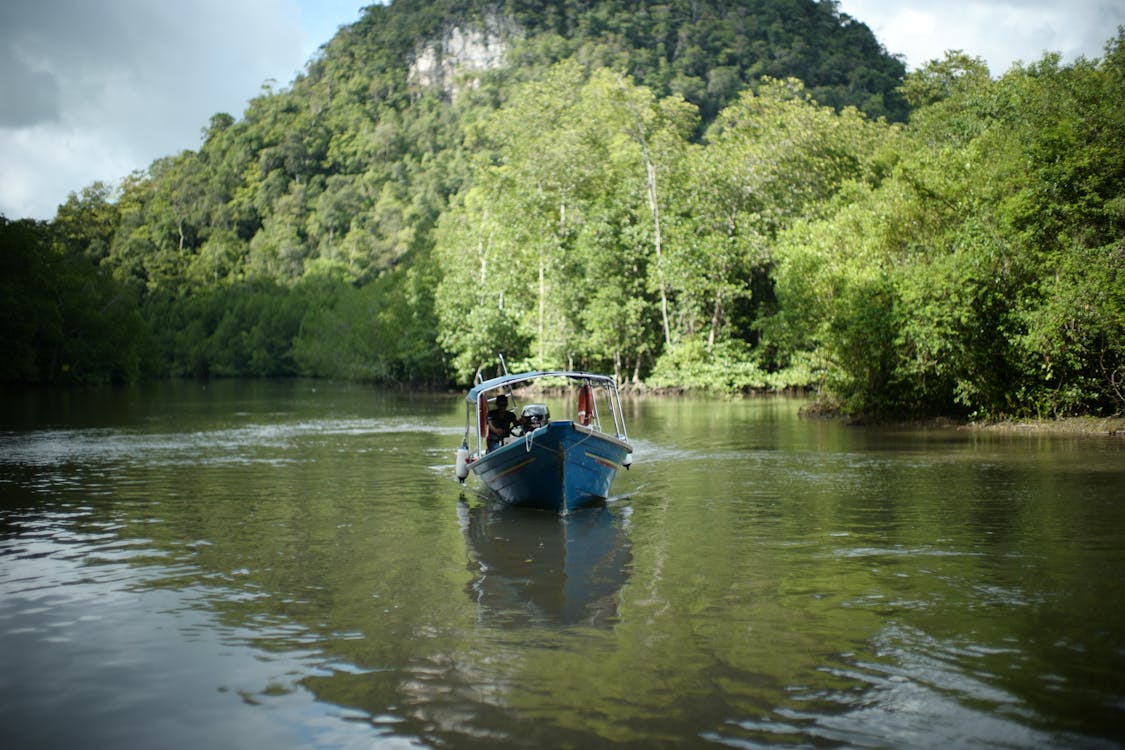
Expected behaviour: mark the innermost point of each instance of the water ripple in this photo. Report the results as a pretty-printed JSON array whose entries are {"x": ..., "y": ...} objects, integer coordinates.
[{"x": 242, "y": 444}]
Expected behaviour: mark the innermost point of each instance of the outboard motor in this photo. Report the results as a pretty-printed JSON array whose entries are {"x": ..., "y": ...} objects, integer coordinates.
[{"x": 534, "y": 416}]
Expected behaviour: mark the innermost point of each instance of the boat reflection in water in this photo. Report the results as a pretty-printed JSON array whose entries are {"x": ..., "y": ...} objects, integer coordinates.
[{"x": 531, "y": 567}]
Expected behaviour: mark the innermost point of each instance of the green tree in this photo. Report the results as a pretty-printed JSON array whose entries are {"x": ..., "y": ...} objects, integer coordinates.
[
  {"x": 773, "y": 158},
  {"x": 525, "y": 249},
  {"x": 980, "y": 275},
  {"x": 64, "y": 319}
]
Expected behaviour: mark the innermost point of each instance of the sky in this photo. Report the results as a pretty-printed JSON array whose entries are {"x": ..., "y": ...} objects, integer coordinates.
[
  {"x": 1002, "y": 32},
  {"x": 93, "y": 90}
]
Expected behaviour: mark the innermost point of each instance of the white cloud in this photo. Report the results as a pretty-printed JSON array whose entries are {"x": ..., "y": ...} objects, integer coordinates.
[
  {"x": 96, "y": 90},
  {"x": 73, "y": 158},
  {"x": 1002, "y": 32}
]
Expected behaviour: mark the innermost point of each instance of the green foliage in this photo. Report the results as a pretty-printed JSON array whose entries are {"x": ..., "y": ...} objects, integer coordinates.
[
  {"x": 983, "y": 275},
  {"x": 558, "y": 220},
  {"x": 688, "y": 194},
  {"x": 779, "y": 157},
  {"x": 727, "y": 367},
  {"x": 64, "y": 319},
  {"x": 324, "y": 326},
  {"x": 354, "y": 164},
  {"x": 379, "y": 332},
  {"x": 242, "y": 329},
  {"x": 25, "y": 283},
  {"x": 708, "y": 52}
]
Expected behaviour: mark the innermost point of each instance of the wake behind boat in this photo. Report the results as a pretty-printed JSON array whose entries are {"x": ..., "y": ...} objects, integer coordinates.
[{"x": 535, "y": 461}]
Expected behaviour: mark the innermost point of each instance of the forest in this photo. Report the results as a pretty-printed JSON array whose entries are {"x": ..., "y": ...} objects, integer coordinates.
[{"x": 703, "y": 195}]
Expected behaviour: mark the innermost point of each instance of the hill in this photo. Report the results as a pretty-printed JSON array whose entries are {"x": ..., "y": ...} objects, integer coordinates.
[{"x": 623, "y": 185}]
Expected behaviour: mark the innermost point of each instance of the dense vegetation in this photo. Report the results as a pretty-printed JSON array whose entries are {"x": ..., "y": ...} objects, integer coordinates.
[{"x": 724, "y": 195}]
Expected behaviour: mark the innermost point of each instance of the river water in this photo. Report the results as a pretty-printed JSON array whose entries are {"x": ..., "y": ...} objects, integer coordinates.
[{"x": 292, "y": 565}]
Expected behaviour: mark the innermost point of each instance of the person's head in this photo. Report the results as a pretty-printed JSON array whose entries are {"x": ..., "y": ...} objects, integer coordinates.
[{"x": 501, "y": 402}]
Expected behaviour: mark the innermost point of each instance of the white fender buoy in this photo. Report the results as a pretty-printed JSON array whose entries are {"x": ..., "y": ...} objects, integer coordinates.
[{"x": 462, "y": 464}]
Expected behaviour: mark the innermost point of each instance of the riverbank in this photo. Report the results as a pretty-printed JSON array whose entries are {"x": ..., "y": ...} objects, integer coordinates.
[
  {"x": 1108, "y": 426},
  {"x": 1105, "y": 426}
]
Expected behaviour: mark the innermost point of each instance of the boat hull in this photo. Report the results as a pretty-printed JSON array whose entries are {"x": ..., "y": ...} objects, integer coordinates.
[{"x": 559, "y": 467}]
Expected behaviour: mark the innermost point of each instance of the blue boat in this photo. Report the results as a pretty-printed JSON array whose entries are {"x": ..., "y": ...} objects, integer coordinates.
[{"x": 552, "y": 464}]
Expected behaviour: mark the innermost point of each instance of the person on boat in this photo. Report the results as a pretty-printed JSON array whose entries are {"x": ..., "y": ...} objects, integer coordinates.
[{"x": 500, "y": 423}]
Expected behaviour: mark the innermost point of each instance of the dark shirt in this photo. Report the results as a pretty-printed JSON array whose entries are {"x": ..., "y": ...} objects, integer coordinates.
[{"x": 500, "y": 422}]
